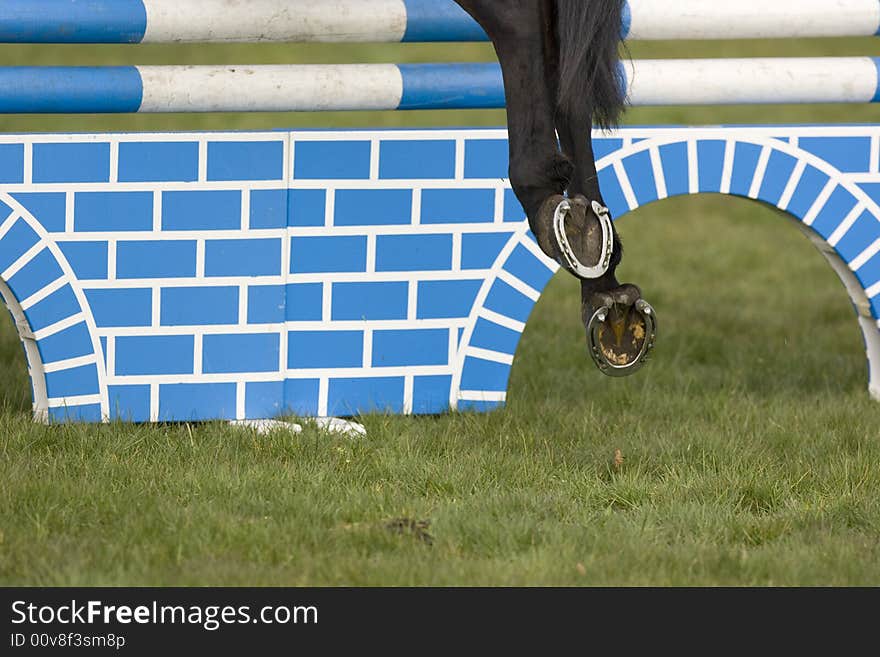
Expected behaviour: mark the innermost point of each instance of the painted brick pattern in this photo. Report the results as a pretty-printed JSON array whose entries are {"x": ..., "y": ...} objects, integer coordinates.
[{"x": 210, "y": 276}]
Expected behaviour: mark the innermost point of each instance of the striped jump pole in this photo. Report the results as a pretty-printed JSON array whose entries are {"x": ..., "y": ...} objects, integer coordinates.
[
  {"x": 169, "y": 21},
  {"x": 151, "y": 89}
]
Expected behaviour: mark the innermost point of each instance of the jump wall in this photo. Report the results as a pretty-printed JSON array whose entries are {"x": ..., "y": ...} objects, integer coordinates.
[{"x": 204, "y": 276}]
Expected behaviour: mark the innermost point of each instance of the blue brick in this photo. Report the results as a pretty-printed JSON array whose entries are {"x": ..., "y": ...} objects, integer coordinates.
[
  {"x": 305, "y": 302},
  {"x": 807, "y": 191},
  {"x": 872, "y": 190},
  {"x": 307, "y": 207},
  {"x": 11, "y": 163},
  {"x": 410, "y": 347},
  {"x": 509, "y": 302},
  {"x": 839, "y": 205},
  {"x": 113, "y": 211},
  {"x": 452, "y": 206},
  {"x": 103, "y": 341},
  {"x": 314, "y": 255},
  {"x": 87, "y": 259},
  {"x": 491, "y": 336},
  {"x": 179, "y": 402},
  {"x": 484, "y": 375},
  {"x": 268, "y": 208},
  {"x": 710, "y": 164},
  {"x": 869, "y": 274},
  {"x": 121, "y": 307},
  {"x": 246, "y": 160},
  {"x": 745, "y": 161},
  {"x": 129, "y": 403},
  {"x": 526, "y": 267},
  {"x": 780, "y": 167},
  {"x": 41, "y": 270},
  {"x": 236, "y": 353},
  {"x": 154, "y": 354},
  {"x": 481, "y": 250},
  {"x": 447, "y": 299},
  {"x": 369, "y": 301},
  {"x": 244, "y": 257},
  {"x": 612, "y": 192},
  {"x": 347, "y": 397},
  {"x": 156, "y": 259},
  {"x": 640, "y": 172},
  {"x": 416, "y": 159},
  {"x": 373, "y": 207},
  {"x": 846, "y": 154},
  {"x": 674, "y": 158},
  {"x": 431, "y": 394},
  {"x": 301, "y": 396},
  {"x": 486, "y": 158},
  {"x": 74, "y": 382},
  {"x": 864, "y": 232},
  {"x": 479, "y": 406},
  {"x": 59, "y": 305},
  {"x": 513, "y": 209},
  {"x": 266, "y": 304},
  {"x": 16, "y": 243},
  {"x": 331, "y": 160},
  {"x": 201, "y": 210},
  {"x": 604, "y": 146},
  {"x": 264, "y": 399},
  {"x": 316, "y": 349},
  {"x": 81, "y": 413},
  {"x": 199, "y": 306},
  {"x": 49, "y": 208},
  {"x": 158, "y": 161},
  {"x": 71, "y": 163},
  {"x": 414, "y": 252},
  {"x": 72, "y": 342}
]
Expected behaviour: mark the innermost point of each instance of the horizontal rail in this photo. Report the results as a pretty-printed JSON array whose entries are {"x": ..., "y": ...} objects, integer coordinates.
[
  {"x": 170, "y": 21},
  {"x": 123, "y": 89}
]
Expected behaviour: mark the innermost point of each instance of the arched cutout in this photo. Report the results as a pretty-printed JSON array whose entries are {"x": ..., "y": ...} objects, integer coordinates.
[
  {"x": 841, "y": 219},
  {"x": 56, "y": 327}
]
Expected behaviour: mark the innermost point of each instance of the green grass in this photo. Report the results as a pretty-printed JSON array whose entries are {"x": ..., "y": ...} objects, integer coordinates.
[{"x": 750, "y": 444}]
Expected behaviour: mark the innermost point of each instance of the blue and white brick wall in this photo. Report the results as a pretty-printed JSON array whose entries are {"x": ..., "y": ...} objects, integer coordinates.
[{"x": 202, "y": 276}]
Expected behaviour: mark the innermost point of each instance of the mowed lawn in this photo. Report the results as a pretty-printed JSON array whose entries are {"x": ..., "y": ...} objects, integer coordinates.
[{"x": 748, "y": 451}]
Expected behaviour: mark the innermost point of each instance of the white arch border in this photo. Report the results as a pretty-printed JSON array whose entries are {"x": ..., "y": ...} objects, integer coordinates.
[{"x": 36, "y": 367}]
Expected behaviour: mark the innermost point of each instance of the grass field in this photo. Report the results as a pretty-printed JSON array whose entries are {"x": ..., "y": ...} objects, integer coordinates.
[{"x": 750, "y": 448}]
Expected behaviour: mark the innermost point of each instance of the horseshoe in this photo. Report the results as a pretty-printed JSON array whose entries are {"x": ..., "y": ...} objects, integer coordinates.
[
  {"x": 567, "y": 253},
  {"x": 605, "y": 365}
]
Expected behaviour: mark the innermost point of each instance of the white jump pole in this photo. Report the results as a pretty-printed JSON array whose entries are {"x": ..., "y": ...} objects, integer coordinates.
[{"x": 171, "y": 21}]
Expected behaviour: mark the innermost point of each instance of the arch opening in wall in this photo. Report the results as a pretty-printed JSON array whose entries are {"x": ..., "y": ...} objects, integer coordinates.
[
  {"x": 743, "y": 300},
  {"x": 16, "y": 392}
]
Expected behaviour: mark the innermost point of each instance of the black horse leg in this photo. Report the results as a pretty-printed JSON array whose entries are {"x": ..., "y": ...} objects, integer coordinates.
[
  {"x": 625, "y": 335},
  {"x": 521, "y": 32}
]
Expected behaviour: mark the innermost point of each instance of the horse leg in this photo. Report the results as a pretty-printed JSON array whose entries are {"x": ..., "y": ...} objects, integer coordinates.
[
  {"x": 622, "y": 331},
  {"x": 522, "y": 32},
  {"x": 620, "y": 325}
]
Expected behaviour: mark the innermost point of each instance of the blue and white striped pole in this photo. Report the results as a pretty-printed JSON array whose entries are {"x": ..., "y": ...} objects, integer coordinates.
[
  {"x": 166, "y": 21},
  {"x": 417, "y": 86}
]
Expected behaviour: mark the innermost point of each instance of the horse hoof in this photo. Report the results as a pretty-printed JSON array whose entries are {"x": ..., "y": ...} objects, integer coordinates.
[
  {"x": 621, "y": 331},
  {"x": 577, "y": 234}
]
